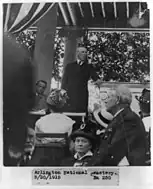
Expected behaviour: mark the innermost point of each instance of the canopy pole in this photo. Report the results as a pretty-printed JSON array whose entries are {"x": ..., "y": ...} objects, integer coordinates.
[{"x": 44, "y": 46}]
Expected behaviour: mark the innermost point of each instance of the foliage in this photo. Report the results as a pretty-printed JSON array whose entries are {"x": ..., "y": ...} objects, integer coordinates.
[
  {"x": 27, "y": 39},
  {"x": 58, "y": 57},
  {"x": 116, "y": 56}
]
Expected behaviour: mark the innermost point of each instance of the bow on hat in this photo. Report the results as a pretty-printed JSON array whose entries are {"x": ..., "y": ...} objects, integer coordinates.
[{"x": 86, "y": 130}]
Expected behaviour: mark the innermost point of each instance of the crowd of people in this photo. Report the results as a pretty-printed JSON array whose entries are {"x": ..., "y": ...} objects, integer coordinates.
[
  {"x": 114, "y": 136},
  {"x": 110, "y": 136}
]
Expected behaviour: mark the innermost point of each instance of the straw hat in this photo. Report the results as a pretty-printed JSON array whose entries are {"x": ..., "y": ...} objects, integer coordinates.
[{"x": 103, "y": 117}]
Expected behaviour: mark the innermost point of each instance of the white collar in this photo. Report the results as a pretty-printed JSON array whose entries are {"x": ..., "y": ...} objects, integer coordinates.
[
  {"x": 30, "y": 152},
  {"x": 80, "y": 62},
  {"x": 118, "y": 112},
  {"x": 39, "y": 94},
  {"x": 89, "y": 153}
]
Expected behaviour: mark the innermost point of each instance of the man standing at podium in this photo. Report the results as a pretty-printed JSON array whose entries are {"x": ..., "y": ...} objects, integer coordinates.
[{"x": 75, "y": 81}]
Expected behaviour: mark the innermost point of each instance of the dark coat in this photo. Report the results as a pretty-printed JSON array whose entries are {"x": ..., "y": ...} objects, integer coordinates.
[
  {"x": 75, "y": 82},
  {"x": 86, "y": 161},
  {"x": 18, "y": 77},
  {"x": 125, "y": 137},
  {"x": 40, "y": 102},
  {"x": 46, "y": 156},
  {"x": 37, "y": 159}
]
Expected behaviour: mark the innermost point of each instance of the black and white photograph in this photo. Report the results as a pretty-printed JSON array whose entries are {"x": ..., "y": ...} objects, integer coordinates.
[{"x": 76, "y": 85}]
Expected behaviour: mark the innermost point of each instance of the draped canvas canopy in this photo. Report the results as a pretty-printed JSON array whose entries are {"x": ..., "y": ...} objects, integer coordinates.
[
  {"x": 20, "y": 16},
  {"x": 126, "y": 15}
]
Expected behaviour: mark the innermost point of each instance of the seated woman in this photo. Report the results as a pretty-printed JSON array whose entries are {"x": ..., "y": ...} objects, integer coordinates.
[
  {"x": 54, "y": 121},
  {"x": 85, "y": 142}
]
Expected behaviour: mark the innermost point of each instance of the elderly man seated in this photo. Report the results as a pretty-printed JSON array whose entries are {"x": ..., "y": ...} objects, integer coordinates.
[
  {"x": 124, "y": 141},
  {"x": 54, "y": 121},
  {"x": 32, "y": 156}
]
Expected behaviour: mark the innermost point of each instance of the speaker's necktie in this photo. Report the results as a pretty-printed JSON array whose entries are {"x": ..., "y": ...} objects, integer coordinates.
[{"x": 80, "y": 63}]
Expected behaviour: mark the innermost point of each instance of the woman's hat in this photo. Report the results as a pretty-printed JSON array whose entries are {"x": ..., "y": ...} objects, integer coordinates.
[
  {"x": 85, "y": 131},
  {"x": 103, "y": 117},
  {"x": 57, "y": 97},
  {"x": 145, "y": 96}
]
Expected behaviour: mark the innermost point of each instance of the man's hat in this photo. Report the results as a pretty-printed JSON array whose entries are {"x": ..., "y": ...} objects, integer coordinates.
[
  {"x": 145, "y": 96},
  {"x": 103, "y": 117}
]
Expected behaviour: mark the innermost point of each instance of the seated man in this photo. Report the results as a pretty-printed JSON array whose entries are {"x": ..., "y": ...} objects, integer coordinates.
[
  {"x": 31, "y": 155},
  {"x": 124, "y": 142},
  {"x": 144, "y": 103},
  {"x": 55, "y": 121},
  {"x": 29, "y": 147},
  {"x": 40, "y": 97}
]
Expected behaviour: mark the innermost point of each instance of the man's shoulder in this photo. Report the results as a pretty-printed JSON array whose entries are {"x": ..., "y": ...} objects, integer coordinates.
[
  {"x": 71, "y": 64},
  {"x": 44, "y": 95},
  {"x": 129, "y": 114},
  {"x": 69, "y": 161},
  {"x": 132, "y": 119},
  {"x": 38, "y": 158},
  {"x": 33, "y": 94}
]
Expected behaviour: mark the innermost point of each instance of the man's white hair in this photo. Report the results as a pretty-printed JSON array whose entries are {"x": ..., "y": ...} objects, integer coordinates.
[
  {"x": 81, "y": 47},
  {"x": 124, "y": 94}
]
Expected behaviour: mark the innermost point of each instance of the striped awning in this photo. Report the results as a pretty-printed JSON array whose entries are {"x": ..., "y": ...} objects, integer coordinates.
[
  {"x": 19, "y": 16},
  {"x": 111, "y": 15},
  {"x": 115, "y": 14},
  {"x": 103, "y": 16}
]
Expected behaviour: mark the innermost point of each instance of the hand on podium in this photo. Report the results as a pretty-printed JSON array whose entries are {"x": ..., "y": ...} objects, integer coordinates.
[{"x": 98, "y": 83}]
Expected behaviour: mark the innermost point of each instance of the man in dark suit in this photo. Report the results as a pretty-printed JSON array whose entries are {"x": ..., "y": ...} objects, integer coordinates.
[
  {"x": 38, "y": 155},
  {"x": 124, "y": 142},
  {"x": 75, "y": 81},
  {"x": 40, "y": 97},
  {"x": 144, "y": 103},
  {"x": 32, "y": 156}
]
